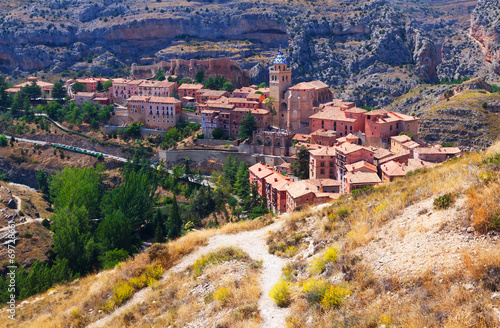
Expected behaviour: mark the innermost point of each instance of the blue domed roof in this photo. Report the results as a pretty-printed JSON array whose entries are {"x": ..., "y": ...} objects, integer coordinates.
[{"x": 280, "y": 59}]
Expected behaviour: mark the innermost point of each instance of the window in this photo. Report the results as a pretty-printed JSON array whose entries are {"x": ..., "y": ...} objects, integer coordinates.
[
  {"x": 331, "y": 165},
  {"x": 322, "y": 171},
  {"x": 322, "y": 164}
]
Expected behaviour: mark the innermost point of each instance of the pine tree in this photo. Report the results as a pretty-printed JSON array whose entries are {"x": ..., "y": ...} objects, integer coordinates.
[
  {"x": 247, "y": 126},
  {"x": 5, "y": 98},
  {"x": 72, "y": 239},
  {"x": 229, "y": 171},
  {"x": 174, "y": 221},
  {"x": 300, "y": 167},
  {"x": 114, "y": 232},
  {"x": 43, "y": 182},
  {"x": 242, "y": 185},
  {"x": 18, "y": 102},
  {"x": 58, "y": 91},
  {"x": 159, "y": 236},
  {"x": 99, "y": 86}
]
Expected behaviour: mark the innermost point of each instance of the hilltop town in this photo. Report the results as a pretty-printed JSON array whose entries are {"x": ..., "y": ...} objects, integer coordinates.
[
  {"x": 225, "y": 164},
  {"x": 346, "y": 148}
]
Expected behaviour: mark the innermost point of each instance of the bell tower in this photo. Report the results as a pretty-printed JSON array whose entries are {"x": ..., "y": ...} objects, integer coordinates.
[{"x": 280, "y": 79}]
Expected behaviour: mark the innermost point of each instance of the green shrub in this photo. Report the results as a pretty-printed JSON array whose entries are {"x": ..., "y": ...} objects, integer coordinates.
[
  {"x": 495, "y": 159},
  {"x": 314, "y": 289},
  {"x": 222, "y": 255},
  {"x": 317, "y": 266},
  {"x": 443, "y": 202},
  {"x": 495, "y": 222},
  {"x": 112, "y": 258},
  {"x": 288, "y": 272},
  {"x": 3, "y": 140},
  {"x": 280, "y": 293}
]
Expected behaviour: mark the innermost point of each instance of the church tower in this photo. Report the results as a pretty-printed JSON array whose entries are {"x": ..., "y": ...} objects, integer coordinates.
[{"x": 280, "y": 79}]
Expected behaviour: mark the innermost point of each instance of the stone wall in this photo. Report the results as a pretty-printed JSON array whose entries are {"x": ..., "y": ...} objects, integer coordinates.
[
  {"x": 214, "y": 159},
  {"x": 144, "y": 131},
  {"x": 225, "y": 67},
  {"x": 190, "y": 116},
  {"x": 212, "y": 143}
]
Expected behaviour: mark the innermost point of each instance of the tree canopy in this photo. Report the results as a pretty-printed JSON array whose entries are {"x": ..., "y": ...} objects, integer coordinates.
[
  {"x": 300, "y": 167},
  {"x": 78, "y": 87},
  {"x": 247, "y": 126},
  {"x": 58, "y": 91}
]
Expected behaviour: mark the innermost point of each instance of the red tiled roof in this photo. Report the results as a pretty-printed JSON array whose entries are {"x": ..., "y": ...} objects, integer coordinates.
[
  {"x": 359, "y": 165},
  {"x": 393, "y": 169},
  {"x": 309, "y": 85},
  {"x": 189, "y": 86},
  {"x": 164, "y": 100},
  {"x": 362, "y": 178},
  {"x": 261, "y": 171}
]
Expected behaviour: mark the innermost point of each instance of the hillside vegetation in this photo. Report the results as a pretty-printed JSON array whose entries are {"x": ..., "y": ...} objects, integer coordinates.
[
  {"x": 421, "y": 251},
  {"x": 465, "y": 113}
]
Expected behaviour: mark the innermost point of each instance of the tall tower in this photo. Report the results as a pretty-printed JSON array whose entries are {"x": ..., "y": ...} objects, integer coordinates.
[{"x": 280, "y": 79}]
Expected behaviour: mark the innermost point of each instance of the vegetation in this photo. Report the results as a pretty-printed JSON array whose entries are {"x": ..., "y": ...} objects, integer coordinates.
[
  {"x": 3, "y": 141},
  {"x": 443, "y": 202},
  {"x": 409, "y": 134},
  {"x": 59, "y": 91},
  {"x": 235, "y": 179},
  {"x": 300, "y": 167},
  {"x": 5, "y": 97},
  {"x": 449, "y": 81},
  {"x": 217, "y": 133},
  {"x": 89, "y": 113},
  {"x": 280, "y": 293},
  {"x": 247, "y": 126},
  {"x": 78, "y": 87}
]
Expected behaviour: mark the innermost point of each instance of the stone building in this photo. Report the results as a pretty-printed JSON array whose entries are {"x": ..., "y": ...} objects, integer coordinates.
[
  {"x": 272, "y": 142},
  {"x": 280, "y": 79},
  {"x": 381, "y": 125},
  {"x": 154, "y": 112},
  {"x": 322, "y": 163}
]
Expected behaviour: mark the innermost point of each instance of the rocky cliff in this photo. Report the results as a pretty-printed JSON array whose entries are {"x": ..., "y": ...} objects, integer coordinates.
[{"x": 370, "y": 52}]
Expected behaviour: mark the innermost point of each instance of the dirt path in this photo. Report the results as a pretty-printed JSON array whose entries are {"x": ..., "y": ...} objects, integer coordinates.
[
  {"x": 252, "y": 242},
  {"x": 18, "y": 203}
]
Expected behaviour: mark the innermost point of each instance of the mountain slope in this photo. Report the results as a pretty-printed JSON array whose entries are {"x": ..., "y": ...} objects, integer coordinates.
[{"x": 404, "y": 262}]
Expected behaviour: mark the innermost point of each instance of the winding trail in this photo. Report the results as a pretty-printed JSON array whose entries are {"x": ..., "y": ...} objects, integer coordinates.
[{"x": 252, "y": 242}]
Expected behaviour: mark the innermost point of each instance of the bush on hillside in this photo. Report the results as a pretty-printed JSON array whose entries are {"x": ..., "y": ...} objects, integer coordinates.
[
  {"x": 280, "y": 293},
  {"x": 444, "y": 202}
]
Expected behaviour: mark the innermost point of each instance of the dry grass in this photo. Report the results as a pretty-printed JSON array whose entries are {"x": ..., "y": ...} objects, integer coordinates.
[
  {"x": 225, "y": 294},
  {"x": 457, "y": 299},
  {"x": 90, "y": 294},
  {"x": 236, "y": 227}
]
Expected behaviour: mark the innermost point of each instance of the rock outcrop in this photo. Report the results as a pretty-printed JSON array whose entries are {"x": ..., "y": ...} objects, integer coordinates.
[
  {"x": 485, "y": 30},
  {"x": 339, "y": 45}
]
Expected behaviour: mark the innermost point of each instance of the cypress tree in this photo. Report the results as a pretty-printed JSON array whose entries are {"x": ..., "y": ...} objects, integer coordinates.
[
  {"x": 174, "y": 221},
  {"x": 242, "y": 185}
]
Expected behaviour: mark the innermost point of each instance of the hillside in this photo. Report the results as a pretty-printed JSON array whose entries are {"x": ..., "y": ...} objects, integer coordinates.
[
  {"x": 428, "y": 257},
  {"x": 465, "y": 114},
  {"x": 370, "y": 51}
]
